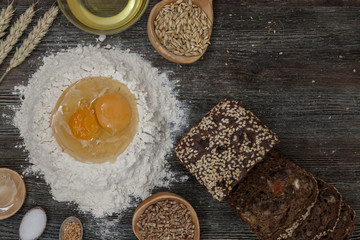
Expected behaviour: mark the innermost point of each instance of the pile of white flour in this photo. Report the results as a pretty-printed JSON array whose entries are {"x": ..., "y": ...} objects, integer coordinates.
[{"x": 105, "y": 188}]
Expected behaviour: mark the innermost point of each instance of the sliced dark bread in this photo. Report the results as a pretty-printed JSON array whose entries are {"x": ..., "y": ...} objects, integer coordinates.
[
  {"x": 345, "y": 226},
  {"x": 224, "y": 146},
  {"x": 323, "y": 216},
  {"x": 274, "y": 197}
]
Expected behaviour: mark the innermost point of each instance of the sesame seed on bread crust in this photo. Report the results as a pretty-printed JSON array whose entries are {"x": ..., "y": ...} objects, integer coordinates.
[
  {"x": 224, "y": 146},
  {"x": 323, "y": 216},
  {"x": 345, "y": 226},
  {"x": 274, "y": 198}
]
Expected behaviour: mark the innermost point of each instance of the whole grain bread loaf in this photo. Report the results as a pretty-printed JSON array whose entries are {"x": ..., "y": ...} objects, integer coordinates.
[
  {"x": 345, "y": 226},
  {"x": 224, "y": 146},
  {"x": 323, "y": 216},
  {"x": 274, "y": 197}
]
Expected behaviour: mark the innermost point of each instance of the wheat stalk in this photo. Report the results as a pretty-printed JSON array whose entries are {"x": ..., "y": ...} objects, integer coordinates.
[
  {"x": 5, "y": 17},
  {"x": 33, "y": 39},
  {"x": 15, "y": 32}
]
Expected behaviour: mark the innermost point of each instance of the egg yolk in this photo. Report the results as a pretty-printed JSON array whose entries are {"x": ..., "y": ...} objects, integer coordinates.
[
  {"x": 113, "y": 112},
  {"x": 83, "y": 124}
]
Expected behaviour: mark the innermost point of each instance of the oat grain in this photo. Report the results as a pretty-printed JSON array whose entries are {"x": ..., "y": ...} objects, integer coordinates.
[
  {"x": 181, "y": 26},
  {"x": 166, "y": 220}
]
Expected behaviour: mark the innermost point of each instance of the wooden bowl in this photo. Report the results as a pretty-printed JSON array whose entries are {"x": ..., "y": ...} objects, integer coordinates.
[
  {"x": 205, "y": 5},
  {"x": 20, "y": 195},
  {"x": 159, "y": 197},
  {"x": 67, "y": 220}
]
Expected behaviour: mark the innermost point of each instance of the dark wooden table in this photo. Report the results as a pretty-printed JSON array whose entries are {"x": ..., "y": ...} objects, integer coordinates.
[{"x": 295, "y": 64}]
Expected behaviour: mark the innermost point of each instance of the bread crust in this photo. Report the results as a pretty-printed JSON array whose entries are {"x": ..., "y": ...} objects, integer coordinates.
[
  {"x": 345, "y": 226},
  {"x": 323, "y": 216},
  {"x": 274, "y": 197},
  {"x": 224, "y": 146}
]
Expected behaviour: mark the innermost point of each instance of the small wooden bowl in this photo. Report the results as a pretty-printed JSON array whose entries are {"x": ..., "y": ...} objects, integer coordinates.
[
  {"x": 20, "y": 195},
  {"x": 205, "y": 5},
  {"x": 67, "y": 220},
  {"x": 159, "y": 197}
]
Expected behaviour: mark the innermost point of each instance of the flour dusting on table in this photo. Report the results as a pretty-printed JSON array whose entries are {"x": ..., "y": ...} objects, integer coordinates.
[{"x": 104, "y": 188}]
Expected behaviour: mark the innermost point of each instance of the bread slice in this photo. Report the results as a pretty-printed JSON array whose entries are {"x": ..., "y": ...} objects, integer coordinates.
[
  {"x": 224, "y": 146},
  {"x": 345, "y": 226},
  {"x": 323, "y": 216},
  {"x": 274, "y": 197}
]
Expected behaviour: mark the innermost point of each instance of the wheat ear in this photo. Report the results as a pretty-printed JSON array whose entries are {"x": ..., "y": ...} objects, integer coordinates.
[
  {"x": 15, "y": 32},
  {"x": 33, "y": 39},
  {"x": 5, "y": 17}
]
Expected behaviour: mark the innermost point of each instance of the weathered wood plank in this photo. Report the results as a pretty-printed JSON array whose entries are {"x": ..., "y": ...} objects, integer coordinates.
[{"x": 295, "y": 64}]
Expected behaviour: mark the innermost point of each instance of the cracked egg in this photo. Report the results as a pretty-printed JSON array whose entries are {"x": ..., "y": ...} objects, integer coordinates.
[{"x": 95, "y": 119}]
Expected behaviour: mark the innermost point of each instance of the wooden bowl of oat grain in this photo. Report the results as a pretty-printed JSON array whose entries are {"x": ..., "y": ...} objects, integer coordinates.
[
  {"x": 180, "y": 30},
  {"x": 166, "y": 215}
]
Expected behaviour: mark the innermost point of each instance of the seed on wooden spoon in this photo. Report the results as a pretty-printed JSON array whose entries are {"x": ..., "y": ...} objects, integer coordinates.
[
  {"x": 33, "y": 224},
  {"x": 184, "y": 37},
  {"x": 183, "y": 28},
  {"x": 71, "y": 229}
]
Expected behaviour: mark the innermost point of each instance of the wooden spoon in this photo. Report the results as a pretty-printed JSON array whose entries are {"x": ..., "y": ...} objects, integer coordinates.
[
  {"x": 67, "y": 220},
  {"x": 13, "y": 182},
  {"x": 159, "y": 197},
  {"x": 205, "y": 5}
]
